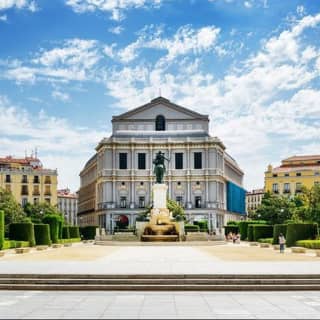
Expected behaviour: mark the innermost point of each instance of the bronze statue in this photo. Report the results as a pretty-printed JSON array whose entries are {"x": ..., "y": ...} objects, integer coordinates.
[{"x": 159, "y": 166}]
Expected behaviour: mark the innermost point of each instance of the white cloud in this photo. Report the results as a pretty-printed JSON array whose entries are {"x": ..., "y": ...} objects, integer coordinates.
[
  {"x": 301, "y": 10},
  {"x": 186, "y": 40},
  {"x": 116, "y": 30},
  {"x": 247, "y": 4},
  {"x": 62, "y": 96},
  {"x": 114, "y": 7},
  {"x": 61, "y": 145},
  {"x": 18, "y": 4},
  {"x": 4, "y": 18},
  {"x": 75, "y": 60}
]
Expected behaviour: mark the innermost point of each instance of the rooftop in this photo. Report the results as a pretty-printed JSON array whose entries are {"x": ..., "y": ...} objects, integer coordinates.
[
  {"x": 66, "y": 193},
  {"x": 303, "y": 158}
]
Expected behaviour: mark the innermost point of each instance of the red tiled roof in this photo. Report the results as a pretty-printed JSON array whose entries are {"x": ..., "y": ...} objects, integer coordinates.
[
  {"x": 295, "y": 168},
  {"x": 27, "y": 160},
  {"x": 303, "y": 157}
]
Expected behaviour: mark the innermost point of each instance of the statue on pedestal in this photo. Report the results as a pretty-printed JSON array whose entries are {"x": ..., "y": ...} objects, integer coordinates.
[{"x": 159, "y": 166}]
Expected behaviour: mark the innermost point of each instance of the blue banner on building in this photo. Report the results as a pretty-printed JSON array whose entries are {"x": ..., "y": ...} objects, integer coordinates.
[{"x": 236, "y": 198}]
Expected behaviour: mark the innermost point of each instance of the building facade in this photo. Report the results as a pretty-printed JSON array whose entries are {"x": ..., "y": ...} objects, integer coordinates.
[
  {"x": 28, "y": 181},
  {"x": 117, "y": 181},
  {"x": 253, "y": 199},
  {"x": 292, "y": 174},
  {"x": 68, "y": 205}
]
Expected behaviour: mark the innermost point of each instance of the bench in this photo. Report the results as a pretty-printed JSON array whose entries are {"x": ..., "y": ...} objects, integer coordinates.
[
  {"x": 298, "y": 250},
  {"x": 265, "y": 245},
  {"x": 22, "y": 250},
  {"x": 42, "y": 247}
]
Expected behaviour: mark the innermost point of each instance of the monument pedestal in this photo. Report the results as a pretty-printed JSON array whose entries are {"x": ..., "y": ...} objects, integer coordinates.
[{"x": 160, "y": 195}]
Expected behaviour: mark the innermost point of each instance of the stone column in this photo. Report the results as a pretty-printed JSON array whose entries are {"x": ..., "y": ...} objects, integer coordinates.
[
  {"x": 150, "y": 170},
  {"x": 114, "y": 167}
]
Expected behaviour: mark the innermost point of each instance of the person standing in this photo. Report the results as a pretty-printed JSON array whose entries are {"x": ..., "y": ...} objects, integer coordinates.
[{"x": 282, "y": 241}]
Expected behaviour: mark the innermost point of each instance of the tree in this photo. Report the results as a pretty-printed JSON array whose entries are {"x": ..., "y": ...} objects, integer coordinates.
[
  {"x": 275, "y": 209},
  {"x": 177, "y": 211},
  {"x": 12, "y": 209},
  {"x": 37, "y": 211}
]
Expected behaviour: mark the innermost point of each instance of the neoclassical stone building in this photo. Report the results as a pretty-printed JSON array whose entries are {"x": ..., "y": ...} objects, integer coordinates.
[{"x": 201, "y": 176}]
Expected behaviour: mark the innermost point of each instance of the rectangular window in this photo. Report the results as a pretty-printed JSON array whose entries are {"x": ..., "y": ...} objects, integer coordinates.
[
  {"x": 47, "y": 200},
  {"x": 47, "y": 180},
  {"x": 298, "y": 187},
  {"x": 8, "y": 178},
  {"x": 275, "y": 188},
  {"x": 24, "y": 179},
  {"x": 123, "y": 202},
  {"x": 286, "y": 174},
  {"x": 298, "y": 174},
  {"x": 36, "y": 179},
  {"x": 179, "y": 160},
  {"x": 35, "y": 200},
  {"x": 123, "y": 161},
  {"x": 8, "y": 187},
  {"x": 286, "y": 188},
  {"x": 274, "y": 175},
  {"x": 179, "y": 200},
  {"x": 24, "y": 190},
  {"x": 36, "y": 191},
  {"x": 198, "y": 160},
  {"x": 141, "y": 161},
  {"x": 141, "y": 202},
  {"x": 47, "y": 191},
  {"x": 24, "y": 201},
  {"x": 198, "y": 202}
]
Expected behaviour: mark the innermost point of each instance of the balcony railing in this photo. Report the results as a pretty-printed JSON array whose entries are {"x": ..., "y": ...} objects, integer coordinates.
[
  {"x": 36, "y": 193},
  {"x": 286, "y": 191},
  {"x": 47, "y": 181},
  {"x": 47, "y": 193},
  {"x": 24, "y": 192}
]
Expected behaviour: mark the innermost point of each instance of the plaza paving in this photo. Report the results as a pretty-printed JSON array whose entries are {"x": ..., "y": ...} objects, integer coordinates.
[
  {"x": 153, "y": 305},
  {"x": 93, "y": 259}
]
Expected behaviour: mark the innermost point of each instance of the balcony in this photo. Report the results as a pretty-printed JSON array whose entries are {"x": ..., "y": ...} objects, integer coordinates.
[
  {"x": 286, "y": 191},
  {"x": 24, "y": 192},
  {"x": 47, "y": 193},
  {"x": 36, "y": 193},
  {"x": 47, "y": 181},
  {"x": 275, "y": 191},
  {"x": 24, "y": 180},
  {"x": 36, "y": 180}
]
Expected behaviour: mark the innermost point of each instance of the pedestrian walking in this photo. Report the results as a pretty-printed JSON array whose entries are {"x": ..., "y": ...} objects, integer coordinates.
[{"x": 282, "y": 242}]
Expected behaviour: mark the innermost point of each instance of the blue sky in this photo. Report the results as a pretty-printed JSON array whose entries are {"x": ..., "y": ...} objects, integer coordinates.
[{"x": 67, "y": 66}]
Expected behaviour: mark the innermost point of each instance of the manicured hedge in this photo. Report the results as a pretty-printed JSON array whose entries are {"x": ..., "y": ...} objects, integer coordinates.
[
  {"x": 1, "y": 229},
  {"x": 277, "y": 229},
  {"x": 42, "y": 234},
  {"x": 88, "y": 232},
  {"x": 232, "y": 223},
  {"x": 60, "y": 229},
  {"x": 266, "y": 240},
  {"x": 203, "y": 225},
  {"x": 53, "y": 221},
  {"x": 250, "y": 232},
  {"x": 231, "y": 228},
  {"x": 311, "y": 244},
  {"x": 71, "y": 240},
  {"x": 23, "y": 232},
  {"x": 301, "y": 231},
  {"x": 74, "y": 232},
  {"x": 11, "y": 244},
  {"x": 243, "y": 227},
  {"x": 262, "y": 231},
  {"x": 65, "y": 232},
  {"x": 191, "y": 228}
]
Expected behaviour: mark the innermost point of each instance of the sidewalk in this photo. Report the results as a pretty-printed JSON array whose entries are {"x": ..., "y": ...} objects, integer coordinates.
[{"x": 91, "y": 259}]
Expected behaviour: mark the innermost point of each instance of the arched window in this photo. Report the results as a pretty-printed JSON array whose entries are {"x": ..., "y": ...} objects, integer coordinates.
[{"x": 160, "y": 123}]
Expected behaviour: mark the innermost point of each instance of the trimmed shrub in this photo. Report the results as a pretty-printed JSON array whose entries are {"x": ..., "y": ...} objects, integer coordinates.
[
  {"x": 243, "y": 227},
  {"x": 71, "y": 240},
  {"x": 74, "y": 232},
  {"x": 88, "y": 232},
  {"x": 203, "y": 225},
  {"x": 277, "y": 229},
  {"x": 232, "y": 223},
  {"x": 191, "y": 228},
  {"x": 60, "y": 229},
  {"x": 11, "y": 244},
  {"x": 301, "y": 231},
  {"x": 1, "y": 229},
  {"x": 310, "y": 244},
  {"x": 42, "y": 234},
  {"x": 65, "y": 232},
  {"x": 23, "y": 232},
  {"x": 53, "y": 220},
  {"x": 231, "y": 228},
  {"x": 262, "y": 231},
  {"x": 250, "y": 232},
  {"x": 266, "y": 240}
]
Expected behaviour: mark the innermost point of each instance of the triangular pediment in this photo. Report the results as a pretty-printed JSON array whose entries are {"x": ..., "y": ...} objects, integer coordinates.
[{"x": 160, "y": 106}]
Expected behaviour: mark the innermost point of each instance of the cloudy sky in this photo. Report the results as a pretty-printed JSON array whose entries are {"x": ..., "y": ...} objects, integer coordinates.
[{"x": 67, "y": 66}]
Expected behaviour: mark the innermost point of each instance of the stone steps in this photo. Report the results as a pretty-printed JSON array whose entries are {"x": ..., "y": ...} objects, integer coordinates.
[{"x": 148, "y": 282}]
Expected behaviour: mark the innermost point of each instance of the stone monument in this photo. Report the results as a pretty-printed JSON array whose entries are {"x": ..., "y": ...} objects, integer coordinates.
[{"x": 161, "y": 227}]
